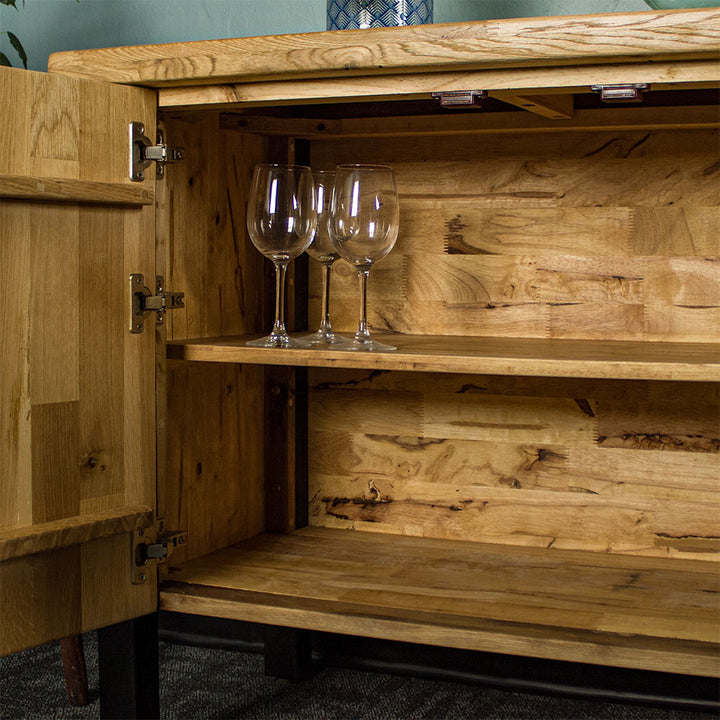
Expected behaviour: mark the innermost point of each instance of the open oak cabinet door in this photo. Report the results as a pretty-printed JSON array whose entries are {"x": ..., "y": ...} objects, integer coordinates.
[{"x": 77, "y": 389}]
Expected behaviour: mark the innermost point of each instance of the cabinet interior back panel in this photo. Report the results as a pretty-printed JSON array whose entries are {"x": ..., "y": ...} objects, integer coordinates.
[
  {"x": 599, "y": 235},
  {"x": 615, "y": 466}
]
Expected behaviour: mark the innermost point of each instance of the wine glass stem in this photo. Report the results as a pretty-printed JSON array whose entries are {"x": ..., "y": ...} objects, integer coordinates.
[
  {"x": 362, "y": 331},
  {"x": 325, "y": 321},
  {"x": 280, "y": 272}
]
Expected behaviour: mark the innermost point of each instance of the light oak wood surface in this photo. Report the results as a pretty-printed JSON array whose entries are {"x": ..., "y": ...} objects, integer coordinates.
[
  {"x": 587, "y": 235},
  {"x": 76, "y": 530},
  {"x": 66, "y": 190},
  {"x": 621, "y": 467},
  {"x": 212, "y": 482},
  {"x": 534, "y": 471},
  {"x": 77, "y": 391},
  {"x": 510, "y": 356},
  {"x": 525, "y": 42},
  {"x": 497, "y": 80},
  {"x": 556, "y": 604}
]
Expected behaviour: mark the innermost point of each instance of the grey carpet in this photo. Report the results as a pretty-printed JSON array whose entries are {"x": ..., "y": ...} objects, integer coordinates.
[{"x": 199, "y": 684}]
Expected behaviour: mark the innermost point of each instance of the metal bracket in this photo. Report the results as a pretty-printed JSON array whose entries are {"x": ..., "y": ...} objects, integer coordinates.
[
  {"x": 460, "y": 98},
  {"x": 144, "y": 301},
  {"x": 143, "y": 152},
  {"x": 628, "y": 92},
  {"x": 152, "y": 544}
]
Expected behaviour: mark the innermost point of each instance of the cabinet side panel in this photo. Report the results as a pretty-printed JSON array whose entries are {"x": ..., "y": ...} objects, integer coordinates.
[
  {"x": 598, "y": 235},
  {"x": 212, "y": 480},
  {"x": 202, "y": 241},
  {"x": 616, "y": 466},
  {"x": 215, "y": 472}
]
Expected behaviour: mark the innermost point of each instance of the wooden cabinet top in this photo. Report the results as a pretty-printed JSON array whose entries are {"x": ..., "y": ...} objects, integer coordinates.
[{"x": 636, "y": 37}]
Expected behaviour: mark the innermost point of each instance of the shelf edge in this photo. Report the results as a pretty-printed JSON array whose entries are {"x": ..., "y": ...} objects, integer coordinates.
[{"x": 55, "y": 534}]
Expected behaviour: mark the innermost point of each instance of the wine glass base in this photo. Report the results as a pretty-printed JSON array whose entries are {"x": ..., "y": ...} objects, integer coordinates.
[
  {"x": 278, "y": 341},
  {"x": 323, "y": 338},
  {"x": 368, "y": 345}
]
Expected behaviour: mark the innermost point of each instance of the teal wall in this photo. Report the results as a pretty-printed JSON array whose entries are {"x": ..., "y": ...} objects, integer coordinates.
[{"x": 45, "y": 26}]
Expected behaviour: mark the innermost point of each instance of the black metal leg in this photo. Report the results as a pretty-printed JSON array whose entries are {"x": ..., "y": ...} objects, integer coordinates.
[
  {"x": 288, "y": 653},
  {"x": 129, "y": 669}
]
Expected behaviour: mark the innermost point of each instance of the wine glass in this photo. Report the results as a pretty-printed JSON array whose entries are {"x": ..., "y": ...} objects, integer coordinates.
[
  {"x": 363, "y": 226},
  {"x": 281, "y": 218},
  {"x": 322, "y": 250}
]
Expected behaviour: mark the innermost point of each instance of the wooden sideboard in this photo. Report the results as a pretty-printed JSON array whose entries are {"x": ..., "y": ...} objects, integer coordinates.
[{"x": 536, "y": 469}]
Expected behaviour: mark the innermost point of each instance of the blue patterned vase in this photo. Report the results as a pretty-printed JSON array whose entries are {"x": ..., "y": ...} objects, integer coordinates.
[{"x": 348, "y": 14}]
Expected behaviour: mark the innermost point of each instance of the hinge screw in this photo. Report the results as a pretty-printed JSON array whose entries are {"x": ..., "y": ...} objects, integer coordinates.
[{"x": 142, "y": 577}]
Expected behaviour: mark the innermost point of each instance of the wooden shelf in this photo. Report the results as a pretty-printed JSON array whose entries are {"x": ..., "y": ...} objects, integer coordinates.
[
  {"x": 33, "y": 539},
  {"x": 591, "y": 607},
  {"x": 23, "y": 187},
  {"x": 488, "y": 356}
]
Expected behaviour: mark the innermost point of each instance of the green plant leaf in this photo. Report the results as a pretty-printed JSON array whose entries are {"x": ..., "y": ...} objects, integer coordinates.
[
  {"x": 4, "y": 60},
  {"x": 15, "y": 42}
]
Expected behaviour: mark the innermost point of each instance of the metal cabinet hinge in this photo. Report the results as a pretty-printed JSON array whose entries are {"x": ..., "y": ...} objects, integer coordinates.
[
  {"x": 144, "y": 301},
  {"x": 152, "y": 544},
  {"x": 628, "y": 92},
  {"x": 460, "y": 98},
  {"x": 143, "y": 152}
]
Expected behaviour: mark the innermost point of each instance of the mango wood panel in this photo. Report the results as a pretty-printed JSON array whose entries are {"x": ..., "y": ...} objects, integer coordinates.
[
  {"x": 77, "y": 390},
  {"x": 620, "y": 467},
  {"x": 515, "y": 42},
  {"x": 629, "y": 612},
  {"x": 586, "y": 235}
]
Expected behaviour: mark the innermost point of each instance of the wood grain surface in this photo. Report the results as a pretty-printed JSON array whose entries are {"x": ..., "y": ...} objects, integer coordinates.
[
  {"x": 494, "y": 355},
  {"x": 598, "y": 235},
  {"x": 211, "y": 478},
  {"x": 628, "y": 612},
  {"x": 76, "y": 530},
  {"x": 571, "y": 40},
  {"x": 498, "y": 80},
  {"x": 66, "y": 190},
  {"x": 686, "y": 117},
  {"x": 611, "y": 466},
  {"x": 76, "y": 389}
]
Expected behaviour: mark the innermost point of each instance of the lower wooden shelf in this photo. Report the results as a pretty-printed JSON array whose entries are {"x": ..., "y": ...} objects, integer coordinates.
[
  {"x": 650, "y": 613},
  {"x": 624, "y": 360}
]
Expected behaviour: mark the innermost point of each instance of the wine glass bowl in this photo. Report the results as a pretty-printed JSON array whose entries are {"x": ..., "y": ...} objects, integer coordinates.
[
  {"x": 281, "y": 219},
  {"x": 363, "y": 227},
  {"x": 322, "y": 250}
]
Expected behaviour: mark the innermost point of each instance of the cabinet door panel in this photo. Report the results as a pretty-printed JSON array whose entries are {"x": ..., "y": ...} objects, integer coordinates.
[{"x": 77, "y": 390}]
